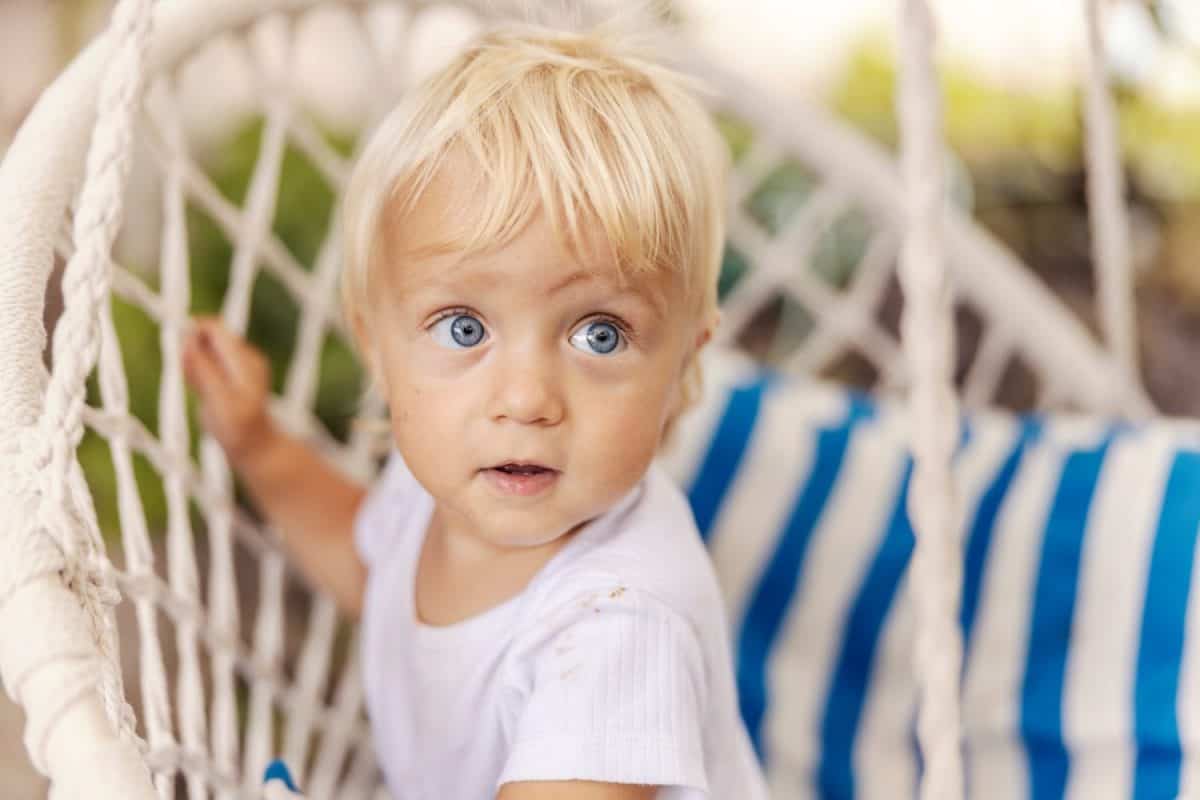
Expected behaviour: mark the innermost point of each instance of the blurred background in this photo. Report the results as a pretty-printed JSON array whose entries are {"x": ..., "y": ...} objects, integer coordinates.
[{"x": 1011, "y": 76}]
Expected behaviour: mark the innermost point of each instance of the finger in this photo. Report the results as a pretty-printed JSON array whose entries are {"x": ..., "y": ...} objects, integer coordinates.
[
  {"x": 203, "y": 371},
  {"x": 222, "y": 346},
  {"x": 200, "y": 327},
  {"x": 253, "y": 367},
  {"x": 258, "y": 366}
]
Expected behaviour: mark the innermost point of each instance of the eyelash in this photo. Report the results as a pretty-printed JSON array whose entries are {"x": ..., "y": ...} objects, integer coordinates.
[
  {"x": 452, "y": 312},
  {"x": 620, "y": 324},
  {"x": 616, "y": 322}
]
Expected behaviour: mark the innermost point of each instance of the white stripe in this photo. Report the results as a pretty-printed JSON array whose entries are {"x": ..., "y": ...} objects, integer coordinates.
[
  {"x": 778, "y": 458},
  {"x": 846, "y": 537},
  {"x": 995, "y": 665},
  {"x": 993, "y": 437},
  {"x": 1102, "y": 660},
  {"x": 885, "y": 764},
  {"x": 995, "y": 670},
  {"x": 884, "y": 759}
]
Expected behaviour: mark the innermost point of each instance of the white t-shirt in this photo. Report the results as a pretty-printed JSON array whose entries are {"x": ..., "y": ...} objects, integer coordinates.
[{"x": 614, "y": 663}]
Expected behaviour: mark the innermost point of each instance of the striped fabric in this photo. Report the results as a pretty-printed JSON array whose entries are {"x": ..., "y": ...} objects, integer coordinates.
[{"x": 1080, "y": 678}]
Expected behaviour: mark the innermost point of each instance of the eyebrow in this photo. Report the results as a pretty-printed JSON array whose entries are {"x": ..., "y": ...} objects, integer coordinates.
[
  {"x": 654, "y": 300},
  {"x": 574, "y": 277}
]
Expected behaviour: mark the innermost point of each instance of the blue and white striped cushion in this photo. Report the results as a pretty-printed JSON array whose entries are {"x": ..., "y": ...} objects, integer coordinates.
[{"x": 1081, "y": 679}]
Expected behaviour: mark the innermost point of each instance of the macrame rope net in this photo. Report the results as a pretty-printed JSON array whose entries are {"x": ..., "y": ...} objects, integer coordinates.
[{"x": 242, "y": 679}]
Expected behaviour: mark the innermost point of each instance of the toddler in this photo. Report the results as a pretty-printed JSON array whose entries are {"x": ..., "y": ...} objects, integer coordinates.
[{"x": 532, "y": 242}]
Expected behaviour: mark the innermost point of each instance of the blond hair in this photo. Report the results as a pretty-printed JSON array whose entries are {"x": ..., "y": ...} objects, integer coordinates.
[{"x": 581, "y": 126}]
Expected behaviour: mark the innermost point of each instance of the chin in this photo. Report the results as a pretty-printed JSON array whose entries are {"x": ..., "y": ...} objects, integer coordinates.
[{"x": 524, "y": 536}]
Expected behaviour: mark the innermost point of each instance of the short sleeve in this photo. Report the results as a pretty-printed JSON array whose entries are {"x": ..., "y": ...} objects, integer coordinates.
[
  {"x": 392, "y": 497},
  {"x": 617, "y": 694}
]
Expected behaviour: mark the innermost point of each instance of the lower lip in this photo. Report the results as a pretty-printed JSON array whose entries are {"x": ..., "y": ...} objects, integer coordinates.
[{"x": 521, "y": 485}]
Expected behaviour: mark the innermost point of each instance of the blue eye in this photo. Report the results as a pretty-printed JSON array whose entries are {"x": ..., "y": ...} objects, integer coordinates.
[
  {"x": 458, "y": 331},
  {"x": 601, "y": 338}
]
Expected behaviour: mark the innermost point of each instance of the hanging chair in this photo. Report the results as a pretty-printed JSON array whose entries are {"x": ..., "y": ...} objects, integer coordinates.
[{"x": 225, "y": 683}]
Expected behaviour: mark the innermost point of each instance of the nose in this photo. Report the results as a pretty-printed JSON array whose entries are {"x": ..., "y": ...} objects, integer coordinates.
[{"x": 527, "y": 390}]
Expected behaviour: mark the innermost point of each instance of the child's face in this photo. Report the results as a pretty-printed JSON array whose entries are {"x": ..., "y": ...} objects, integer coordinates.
[{"x": 528, "y": 391}]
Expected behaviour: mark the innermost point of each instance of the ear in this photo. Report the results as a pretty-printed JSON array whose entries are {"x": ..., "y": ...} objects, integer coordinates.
[
  {"x": 704, "y": 334},
  {"x": 705, "y": 331}
]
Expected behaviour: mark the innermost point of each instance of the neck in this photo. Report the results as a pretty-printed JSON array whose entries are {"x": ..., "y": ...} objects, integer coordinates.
[{"x": 461, "y": 574}]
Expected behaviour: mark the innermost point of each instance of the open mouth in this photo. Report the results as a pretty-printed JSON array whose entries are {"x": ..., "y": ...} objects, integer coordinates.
[
  {"x": 522, "y": 469},
  {"x": 523, "y": 479}
]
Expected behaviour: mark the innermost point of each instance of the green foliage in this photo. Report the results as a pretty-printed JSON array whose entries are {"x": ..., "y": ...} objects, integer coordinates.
[
  {"x": 987, "y": 124},
  {"x": 1161, "y": 147},
  {"x": 737, "y": 133}
]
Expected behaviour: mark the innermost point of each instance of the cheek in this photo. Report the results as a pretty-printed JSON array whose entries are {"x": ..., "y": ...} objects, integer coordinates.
[
  {"x": 421, "y": 416},
  {"x": 624, "y": 428}
]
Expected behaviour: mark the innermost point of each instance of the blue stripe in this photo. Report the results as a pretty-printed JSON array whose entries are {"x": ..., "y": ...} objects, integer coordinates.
[
  {"x": 979, "y": 539},
  {"x": 1050, "y": 628},
  {"x": 772, "y": 598},
  {"x": 856, "y": 656},
  {"x": 1160, "y": 653},
  {"x": 725, "y": 453}
]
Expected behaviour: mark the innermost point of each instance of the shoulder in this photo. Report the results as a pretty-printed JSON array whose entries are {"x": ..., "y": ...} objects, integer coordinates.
[
  {"x": 640, "y": 579},
  {"x": 612, "y": 687},
  {"x": 648, "y": 549}
]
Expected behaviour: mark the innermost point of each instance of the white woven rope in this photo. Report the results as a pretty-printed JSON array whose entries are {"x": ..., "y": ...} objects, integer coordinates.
[
  {"x": 250, "y": 666},
  {"x": 273, "y": 255},
  {"x": 273, "y": 33},
  {"x": 85, "y": 289},
  {"x": 987, "y": 366},
  {"x": 865, "y": 294},
  {"x": 333, "y": 168},
  {"x": 844, "y": 318},
  {"x": 61, "y": 530},
  {"x": 1106, "y": 202},
  {"x": 182, "y": 570},
  {"x": 218, "y": 630},
  {"x": 135, "y": 540},
  {"x": 776, "y": 260},
  {"x": 927, "y": 332},
  {"x": 300, "y": 389}
]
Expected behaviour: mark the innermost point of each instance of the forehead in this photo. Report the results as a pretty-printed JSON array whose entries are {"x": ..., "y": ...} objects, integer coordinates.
[{"x": 431, "y": 245}]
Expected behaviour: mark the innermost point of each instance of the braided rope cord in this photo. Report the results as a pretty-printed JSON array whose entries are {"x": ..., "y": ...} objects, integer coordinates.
[
  {"x": 64, "y": 511},
  {"x": 928, "y": 339},
  {"x": 86, "y": 335},
  {"x": 1109, "y": 216}
]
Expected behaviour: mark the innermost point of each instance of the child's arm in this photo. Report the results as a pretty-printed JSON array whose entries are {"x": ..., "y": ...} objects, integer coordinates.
[
  {"x": 575, "y": 790},
  {"x": 308, "y": 501}
]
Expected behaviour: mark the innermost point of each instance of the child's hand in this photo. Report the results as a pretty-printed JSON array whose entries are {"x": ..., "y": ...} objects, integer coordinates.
[{"x": 232, "y": 380}]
